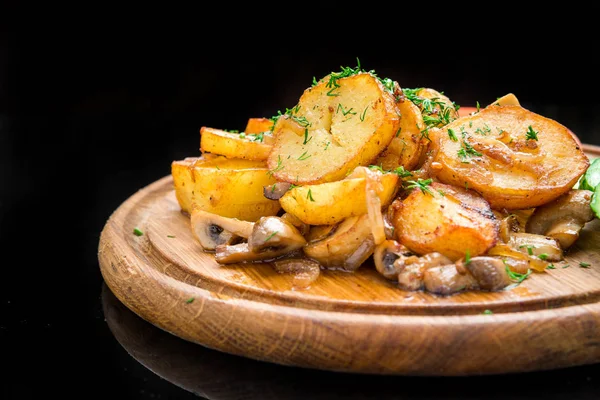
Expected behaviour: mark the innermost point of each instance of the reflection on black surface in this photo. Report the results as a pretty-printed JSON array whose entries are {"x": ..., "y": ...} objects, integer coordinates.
[{"x": 217, "y": 376}]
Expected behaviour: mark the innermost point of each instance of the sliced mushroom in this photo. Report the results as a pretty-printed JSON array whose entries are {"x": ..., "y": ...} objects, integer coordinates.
[
  {"x": 274, "y": 234},
  {"x": 271, "y": 237},
  {"x": 543, "y": 247},
  {"x": 446, "y": 280},
  {"x": 385, "y": 255},
  {"x": 412, "y": 269},
  {"x": 239, "y": 253},
  {"x": 563, "y": 218},
  {"x": 276, "y": 190},
  {"x": 304, "y": 271},
  {"x": 346, "y": 247},
  {"x": 489, "y": 272},
  {"x": 212, "y": 229},
  {"x": 508, "y": 226}
]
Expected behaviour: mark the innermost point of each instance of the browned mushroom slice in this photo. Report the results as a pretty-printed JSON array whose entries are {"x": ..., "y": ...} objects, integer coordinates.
[
  {"x": 212, "y": 229},
  {"x": 385, "y": 256},
  {"x": 241, "y": 253},
  {"x": 271, "y": 238},
  {"x": 446, "y": 280},
  {"x": 347, "y": 246},
  {"x": 563, "y": 218},
  {"x": 412, "y": 269},
  {"x": 489, "y": 272},
  {"x": 276, "y": 190},
  {"x": 275, "y": 234},
  {"x": 543, "y": 247}
]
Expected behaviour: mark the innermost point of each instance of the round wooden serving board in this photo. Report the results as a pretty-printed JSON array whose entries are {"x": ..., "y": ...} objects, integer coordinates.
[{"x": 355, "y": 322}]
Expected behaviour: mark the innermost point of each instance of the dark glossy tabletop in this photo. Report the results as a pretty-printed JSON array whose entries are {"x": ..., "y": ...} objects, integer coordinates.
[{"x": 81, "y": 135}]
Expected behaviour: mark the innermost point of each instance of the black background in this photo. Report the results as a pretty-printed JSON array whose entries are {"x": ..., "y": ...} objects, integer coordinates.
[{"x": 87, "y": 118}]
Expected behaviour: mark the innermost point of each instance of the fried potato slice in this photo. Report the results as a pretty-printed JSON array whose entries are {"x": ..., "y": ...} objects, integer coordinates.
[
  {"x": 445, "y": 219},
  {"x": 514, "y": 157},
  {"x": 331, "y": 202},
  {"x": 258, "y": 125},
  {"x": 338, "y": 124},
  {"x": 227, "y": 187},
  {"x": 437, "y": 108},
  {"x": 254, "y": 147},
  {"x": 407, "y": 146}
]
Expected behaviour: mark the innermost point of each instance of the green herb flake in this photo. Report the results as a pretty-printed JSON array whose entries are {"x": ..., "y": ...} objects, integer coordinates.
[
  {"x": 401, "y": 172},
  {"x": 466, "y": 151},
  {"x": 487, "y": 312},
  {"x": 190, "y": 300},
  {"x": 543, "y": 256},
  {"x": 467, "y": 257},
  {"x": 309, "y": 195},
  {"x": 515, "y": 276},
  {"x": 277, "y": 168},
  {"x": 171, "y": 236},
  {"x": 452, "y": 135},
  {"x": 362, "y": 116},
  {"x": 551, "y": 266},
  {"x": 531, "y": 134},
  {"x": 584, "y": 264},
  {"x": 271, "y": 236},
  {"x": 304, "y": 156},
  {"x": 137, "y": 232},
  {"x": 529, "y": 249},
  {"x": 421, "y": 184},
  {"x": 306, "y": 138}
]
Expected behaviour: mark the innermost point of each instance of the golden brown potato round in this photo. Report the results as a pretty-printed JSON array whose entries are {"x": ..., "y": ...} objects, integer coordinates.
[
  {"x": 514, "y": 157},
  {"x": 338, "y": 124},
  {"x": 445, "y": 219},
  {"x": 407, "y": 146}
]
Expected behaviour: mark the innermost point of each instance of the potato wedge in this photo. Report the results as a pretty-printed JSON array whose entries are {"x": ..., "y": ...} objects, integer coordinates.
[
  {"x": 258, "y": 125},
  {"x": 407, "y": 146},
  {"x": 254, "y": 147},
  {"x": 515, "y": 158},
  {"x": 508, "y": 99},
  {"x": 227, "y": 187},
  {"x": 340, "y": 123},
  {"x": 331, "y": 202},
  {"x": 445, "y": 219},
  {"x": 437, "y": 108}
]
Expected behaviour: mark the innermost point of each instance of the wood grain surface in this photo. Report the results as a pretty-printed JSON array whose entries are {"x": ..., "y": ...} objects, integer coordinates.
[{"x": 358, "y": 322}]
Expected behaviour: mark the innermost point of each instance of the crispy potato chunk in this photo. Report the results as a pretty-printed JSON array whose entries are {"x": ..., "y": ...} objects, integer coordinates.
[
  {"x": 338, "y": 124},
  {"x": 258, "y": 125},
  {"x": 515, "y": 158},
  {"x": 227, "y": 187},
  {"x": 437, "y": 108},
  {"x": 407, "y": 146},
  {"x": 235, "y": 145},
  {"x": 331, "y": 202},
  {"x": 445, "y": 219}
]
